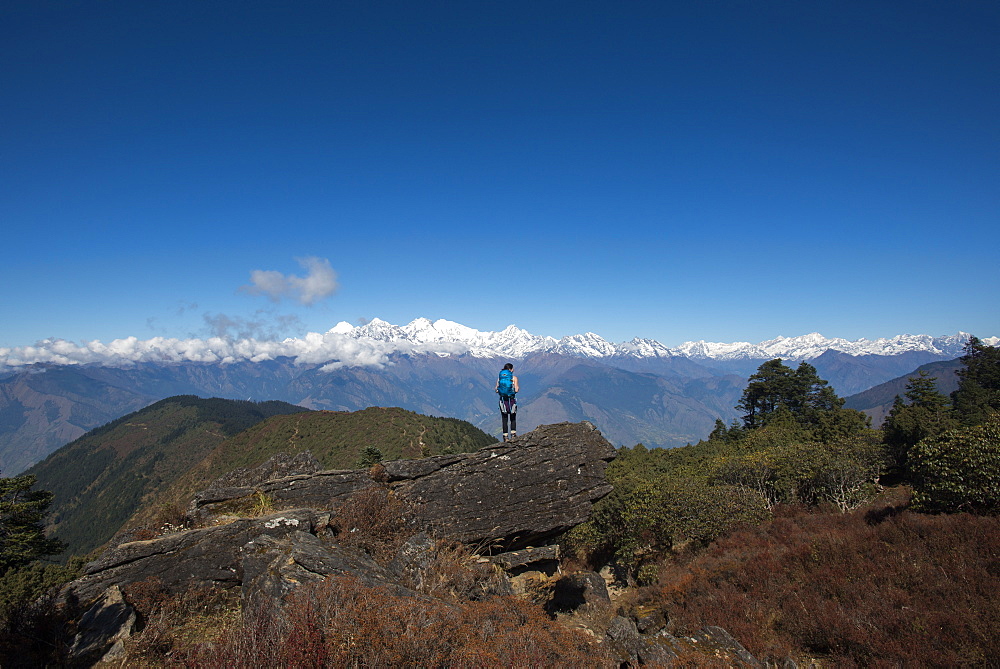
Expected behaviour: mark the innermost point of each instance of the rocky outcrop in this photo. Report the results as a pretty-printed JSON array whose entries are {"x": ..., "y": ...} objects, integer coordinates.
[
  {"x": 508, "y": 496},
  {"x": 509, "y": 500},
  {"x": 210, "y": 556},
  {"x": 640, "y": 639}
]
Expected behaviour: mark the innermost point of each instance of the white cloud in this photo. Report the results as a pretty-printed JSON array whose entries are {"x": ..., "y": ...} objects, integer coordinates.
[
  {"x": 335, "y": 349},
  {"x": 319, "y": 282}
]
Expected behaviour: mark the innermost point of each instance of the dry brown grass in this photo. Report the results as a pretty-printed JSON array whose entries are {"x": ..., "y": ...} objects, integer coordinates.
[
  {"x": 876, "y": 586},
  {"x": 342, "y": 622}
]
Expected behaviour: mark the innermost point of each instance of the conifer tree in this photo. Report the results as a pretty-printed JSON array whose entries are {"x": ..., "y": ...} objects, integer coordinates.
[
  {"x": 924, "y": 413},
  {"x": 801, "y": 392},
  {"x": 978, "y": 393},
  {"x": 22, "y": 536}
]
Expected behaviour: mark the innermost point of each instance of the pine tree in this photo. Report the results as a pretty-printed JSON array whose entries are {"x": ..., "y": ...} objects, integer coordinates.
[
  {"x": 22, "y": 536},
  {"x": 370, "y": 456},
  {"x": 777, "y": 388},
  {"x": 978, "y": 393},
  {"x": 766, "y": 391},
  {"x": 924, "y": 413}
]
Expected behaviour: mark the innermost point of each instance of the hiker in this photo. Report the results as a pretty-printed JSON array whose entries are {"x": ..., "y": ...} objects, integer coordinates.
[{"x": 507, "y": 387}]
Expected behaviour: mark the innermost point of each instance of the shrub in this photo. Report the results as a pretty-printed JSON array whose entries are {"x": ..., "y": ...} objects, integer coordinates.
[
  {"x": 454, "y": 573},
  {"x": 171, "y": 623},
  {"x": 642, "y": 521},
  {"x": 877, "y": 586},
  {"x": 343, "y": 622},
  {"x": 31, "y": 626},
  {"x": 375, "y": 521},
  {"x": 958, "y": 470}
]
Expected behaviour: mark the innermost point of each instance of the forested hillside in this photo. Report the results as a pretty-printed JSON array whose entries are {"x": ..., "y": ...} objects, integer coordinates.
[
  {"x": 877, "y": 401},
  {"x": 99, "y": 480},
  {"x": 162, "y": 455}
]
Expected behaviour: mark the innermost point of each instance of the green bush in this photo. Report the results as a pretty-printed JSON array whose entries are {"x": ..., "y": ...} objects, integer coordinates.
[
  {"x": 958, "y": 470},
  {"x": 641, "y": 521},
  {"x": 31, "y": 627}
]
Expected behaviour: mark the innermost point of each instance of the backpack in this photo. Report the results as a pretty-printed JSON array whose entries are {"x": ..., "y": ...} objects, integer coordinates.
[{"x": 505, "y": 386}]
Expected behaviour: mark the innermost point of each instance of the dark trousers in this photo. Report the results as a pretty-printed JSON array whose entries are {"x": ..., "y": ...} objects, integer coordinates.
[{"x": 508, "y": 412}]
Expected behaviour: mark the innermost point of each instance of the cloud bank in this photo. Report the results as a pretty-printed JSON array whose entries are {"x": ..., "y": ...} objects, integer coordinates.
[
  {"x": 334, "y": 349},
  {"x": 319, "y": 282}
]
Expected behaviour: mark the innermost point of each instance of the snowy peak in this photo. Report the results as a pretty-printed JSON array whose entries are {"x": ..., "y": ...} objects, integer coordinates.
[
  {"x": 588, "y": 345},
  {"x": 645, "y": 348},
  {"x": 813, "y": 345},
  {"x": 372, "y": 344},
  {"x": 512, "y": 341},
  {"x": 378, "y": 330}
]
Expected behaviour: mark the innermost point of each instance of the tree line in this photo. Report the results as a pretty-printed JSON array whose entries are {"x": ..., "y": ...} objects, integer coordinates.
[{"x": 797, "y": 445}]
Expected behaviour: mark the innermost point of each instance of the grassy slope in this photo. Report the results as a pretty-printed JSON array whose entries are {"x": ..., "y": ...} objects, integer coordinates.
[{"x": 336, "y": 438}]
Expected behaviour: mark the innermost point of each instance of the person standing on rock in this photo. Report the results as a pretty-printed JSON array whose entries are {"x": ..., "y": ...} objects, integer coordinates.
[{"x": 507, "y": 388}]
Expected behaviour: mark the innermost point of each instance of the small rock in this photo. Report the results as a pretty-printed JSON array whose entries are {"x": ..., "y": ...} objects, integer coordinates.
[
  {"x": 574, "y": 591},
  {"x": 103, "y": 628}
]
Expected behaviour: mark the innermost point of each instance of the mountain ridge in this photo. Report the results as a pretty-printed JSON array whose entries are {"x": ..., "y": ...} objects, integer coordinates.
[
  {"x": 441, "y": 368},
  {"x": 371, "y": 344}
]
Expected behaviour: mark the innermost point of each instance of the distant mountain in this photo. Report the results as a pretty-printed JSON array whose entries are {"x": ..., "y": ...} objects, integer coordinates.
[
  {"x": 517, "y": 343},
  {"x": 877, "y": 401},
  {"x": 100, "y": 479},
  {"x": 54, "y": 391},
  {"x": 44, "y": 407},
  {"x": 346, "y": 345}
]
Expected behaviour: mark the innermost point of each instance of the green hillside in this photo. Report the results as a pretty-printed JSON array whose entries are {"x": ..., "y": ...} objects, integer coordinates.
[
  {"x": 100, "y": 479},
  {"x": 338, "y": 439},
  {"x": 877, "y": 401}
]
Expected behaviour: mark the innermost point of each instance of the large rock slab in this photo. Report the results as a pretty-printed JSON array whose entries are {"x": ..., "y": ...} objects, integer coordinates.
[
  {"x": 509, "y": 495},
  {"x": 209, "y": 556},
  {"x": 512, "y": 495}
]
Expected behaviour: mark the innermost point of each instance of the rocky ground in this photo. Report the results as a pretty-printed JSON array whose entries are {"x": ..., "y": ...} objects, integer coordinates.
[{"x": 260, "y": 534}]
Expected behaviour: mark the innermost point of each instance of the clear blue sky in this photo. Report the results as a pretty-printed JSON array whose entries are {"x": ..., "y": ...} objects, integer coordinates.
[{"x": 720, "y": 170}]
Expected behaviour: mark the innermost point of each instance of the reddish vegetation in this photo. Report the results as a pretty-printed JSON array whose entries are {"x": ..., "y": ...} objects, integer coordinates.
[
  {"x": 342, "y": 622},
  {"x": 881, "y": 585},
  {"x": 374, "y": 521}
]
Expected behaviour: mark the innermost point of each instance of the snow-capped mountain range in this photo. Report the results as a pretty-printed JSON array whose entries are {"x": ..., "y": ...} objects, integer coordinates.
[
  {"x": 370, "y": 345},
  {"x": 515, "y": 342}
]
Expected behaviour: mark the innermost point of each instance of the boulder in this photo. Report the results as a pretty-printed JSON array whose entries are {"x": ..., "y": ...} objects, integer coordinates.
[
  {"x": 103, "y": 629},
  {"x": 575, "y": 591},
  {"x": 634, "y": 649},
  {"x": 511, "y": 495},
  {"x": 195, "y": 558},
  {"x": 319, "y": 490},
  {"x": 537, "y": 558}
]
